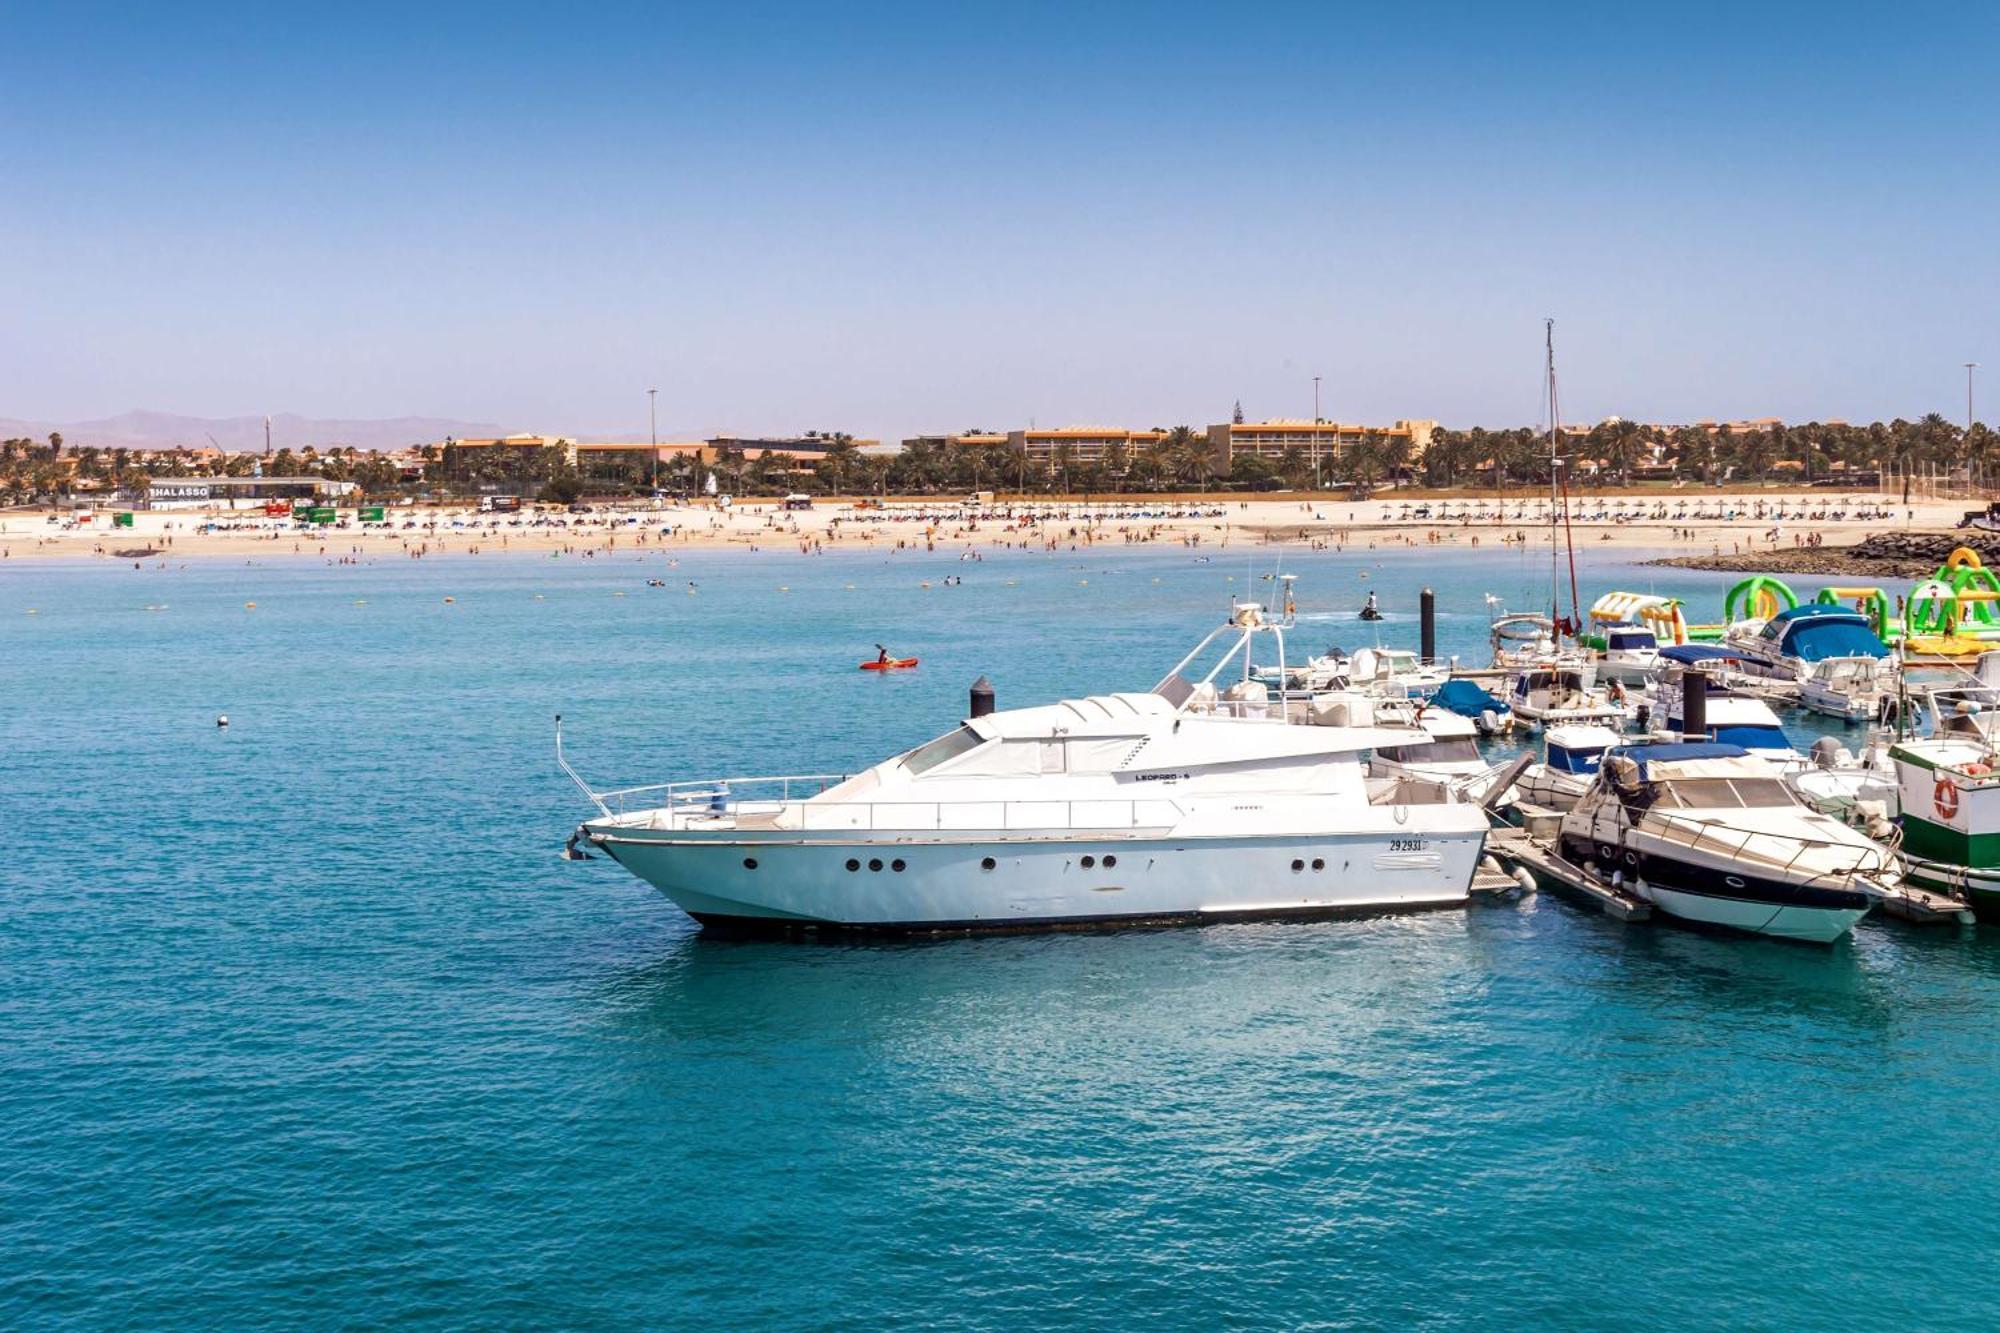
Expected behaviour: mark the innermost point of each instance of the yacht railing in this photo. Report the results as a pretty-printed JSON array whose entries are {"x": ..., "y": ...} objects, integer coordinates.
[
  {"x": 716, "y": 794},
  {"x": 1869, "y": 860},
  {"x": 782, "y": 804}
]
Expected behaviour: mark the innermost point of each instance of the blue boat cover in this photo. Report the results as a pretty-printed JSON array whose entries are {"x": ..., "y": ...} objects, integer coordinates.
[
  {"x": 1815, "y": 631},
  {"x": 1466, "y": 698},
  {"x": 1675, "y": 751},
  {"x": 1689, "y": 653}
]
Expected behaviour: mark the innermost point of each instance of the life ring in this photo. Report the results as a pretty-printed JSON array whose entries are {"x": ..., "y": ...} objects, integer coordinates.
[
  {"x": 1975, "y": 769},
  {"x": 1945, "y": 797}
]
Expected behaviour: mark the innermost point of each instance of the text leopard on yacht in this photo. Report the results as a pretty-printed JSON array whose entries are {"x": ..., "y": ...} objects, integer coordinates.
[{"x": 1183, "y": 803}]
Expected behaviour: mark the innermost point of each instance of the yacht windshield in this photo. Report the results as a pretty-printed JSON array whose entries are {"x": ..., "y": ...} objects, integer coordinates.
[
  {"x": 1436, "y": 752},
  {"x": 1583, "y": 760},
  {"x": 942, "y": 750},
  {"x": 1631, "y": 640},
  {"x": 1724, "y": 793}
]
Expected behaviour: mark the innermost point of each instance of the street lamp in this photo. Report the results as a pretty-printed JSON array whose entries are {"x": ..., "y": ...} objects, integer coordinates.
[
  {"x": 653, "y": 432},
  {"x": 1970, "y": 366},
  {"x": 1315, "y": 432}
]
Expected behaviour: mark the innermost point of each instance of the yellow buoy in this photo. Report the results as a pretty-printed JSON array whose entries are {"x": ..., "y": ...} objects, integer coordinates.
[
  {"x": 451, "y": 599},
  {"x": 784, "y": 587},
  {"x": 249, "y": 606}
]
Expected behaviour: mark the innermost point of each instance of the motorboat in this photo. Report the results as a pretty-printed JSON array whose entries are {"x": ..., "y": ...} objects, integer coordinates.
[
  {"x": 1318, "y": 674},
  {"x": 1736, "y": 719},
  {"x": 1789, "y": 643},
  {"x": 1469, "y": 699},
  {"x": 1559, "y": 688},
  {"x": 1570, "y": 758},
  {"x": 1710, "y": 834},
  {"x": 1395, "y": 671},
  {"x": 1630, "y": 655},
  {"x": 1626, "y": 629},
  {"x": 1194, "y": 801},
  {"x": 1851, "y": 688}
]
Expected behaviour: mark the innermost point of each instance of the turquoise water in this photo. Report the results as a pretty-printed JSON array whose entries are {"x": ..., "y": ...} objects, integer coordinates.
[{"x": 306, "y": 1023}]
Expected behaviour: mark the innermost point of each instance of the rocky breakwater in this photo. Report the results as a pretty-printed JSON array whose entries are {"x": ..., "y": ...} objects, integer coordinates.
[{"x": 1901, "y": 555}]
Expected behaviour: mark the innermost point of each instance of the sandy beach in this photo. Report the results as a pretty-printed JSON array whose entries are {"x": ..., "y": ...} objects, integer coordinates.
[{"x": 1704, "y": 524}]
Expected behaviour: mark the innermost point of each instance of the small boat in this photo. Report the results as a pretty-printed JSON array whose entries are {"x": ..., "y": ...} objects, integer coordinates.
[
  {"x": 893, "y": 664},
  {"x": 1710, "y": 834},
  {"x": 1560, "y": 688},
  {"x": 1950, "y": 793},
  {"x": 1570, "y": 758},
  {"x": 1396, "y": 672},
  {"x": 1787, "y": 644},
  {"x": 1849, "y": 688},
  {"x": 1468, "y": 699}
]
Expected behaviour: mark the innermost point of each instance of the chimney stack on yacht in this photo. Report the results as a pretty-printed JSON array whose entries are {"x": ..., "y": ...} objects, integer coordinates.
[
  {"x": 1427, "y": 604},
  {"x": 1694, "y": 704},
  {"x": 982, "y": 697}
]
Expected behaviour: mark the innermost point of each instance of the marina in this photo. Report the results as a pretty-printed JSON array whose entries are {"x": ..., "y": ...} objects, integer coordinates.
[{"x": 477, "y": 949}]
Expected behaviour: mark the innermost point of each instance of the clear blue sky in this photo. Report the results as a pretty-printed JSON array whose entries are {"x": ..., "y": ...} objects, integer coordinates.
[{"x": 928, "y": 217}]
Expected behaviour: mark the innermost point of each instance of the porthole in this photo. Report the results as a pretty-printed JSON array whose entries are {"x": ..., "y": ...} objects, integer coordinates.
[
  {"x": 987, "y": 863},
  {"x": 1732, "y": 881},
  {"x": 1318, "y": 864},
  {"x": 1110, "y": 861},
  {"x": 1297, "y": 866},
  {"x": 749, "y": 863},
  {"x": 852, "y": 865},
  {"x": 1089, "y": 861},
  {"x": 897, "y": 865},
  {"x": 874, "y": 863}
]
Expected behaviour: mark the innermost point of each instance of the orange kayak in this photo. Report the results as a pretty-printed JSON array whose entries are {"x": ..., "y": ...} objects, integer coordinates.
[{"x": 893, "y": 664}]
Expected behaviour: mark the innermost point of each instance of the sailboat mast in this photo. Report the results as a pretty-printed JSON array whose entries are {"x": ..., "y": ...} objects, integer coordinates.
[{"x": 1555, "y": 555}]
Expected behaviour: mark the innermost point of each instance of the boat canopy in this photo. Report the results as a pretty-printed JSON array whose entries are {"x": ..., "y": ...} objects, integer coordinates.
[
  {"x": 1659, "y": 762},
  {"x": 1466, "y": 698},
  {"x": 1687, "y": 654},
  {"x": 1816, "y": 631}
]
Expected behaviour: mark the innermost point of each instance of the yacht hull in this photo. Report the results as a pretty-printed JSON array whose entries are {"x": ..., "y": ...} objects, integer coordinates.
[
  {"x": 1016, "y": 884},
  {"x": 1724, "y": 898}
]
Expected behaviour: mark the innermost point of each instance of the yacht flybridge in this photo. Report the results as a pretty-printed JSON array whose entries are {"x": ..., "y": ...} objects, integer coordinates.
[{"x": 1203, "y": 799}]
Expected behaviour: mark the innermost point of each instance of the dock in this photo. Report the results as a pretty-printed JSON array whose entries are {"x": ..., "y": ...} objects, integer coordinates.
[
  {"x": 1923, "y": 907},
  {"x": 1521, "y": 848}
]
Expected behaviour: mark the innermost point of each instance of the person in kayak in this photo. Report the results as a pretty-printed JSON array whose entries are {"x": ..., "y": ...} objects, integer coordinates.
[{"x": 881, "y": 655}]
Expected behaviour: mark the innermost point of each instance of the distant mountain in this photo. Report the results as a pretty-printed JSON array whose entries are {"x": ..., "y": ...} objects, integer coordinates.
[{"x": 163, "y": 430}]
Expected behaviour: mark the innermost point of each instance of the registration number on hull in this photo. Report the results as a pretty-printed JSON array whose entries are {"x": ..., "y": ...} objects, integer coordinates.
[{"x": 1406, "y": 844}]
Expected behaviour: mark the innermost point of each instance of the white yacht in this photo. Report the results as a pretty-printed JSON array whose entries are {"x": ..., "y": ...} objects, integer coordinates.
[
  {"x": 1185, "y": 803},
  {"x": 1710, "y": 834}
]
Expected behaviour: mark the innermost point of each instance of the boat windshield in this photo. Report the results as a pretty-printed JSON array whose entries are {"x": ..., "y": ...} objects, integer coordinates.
[
  {"x": 1723, "y": 793},
  {"x": 1584, "y": 759},
  {"x": 1630, "y": 640},
  {"x": 1436, "y": 752},
  {"x": 942, "y": 750}
]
